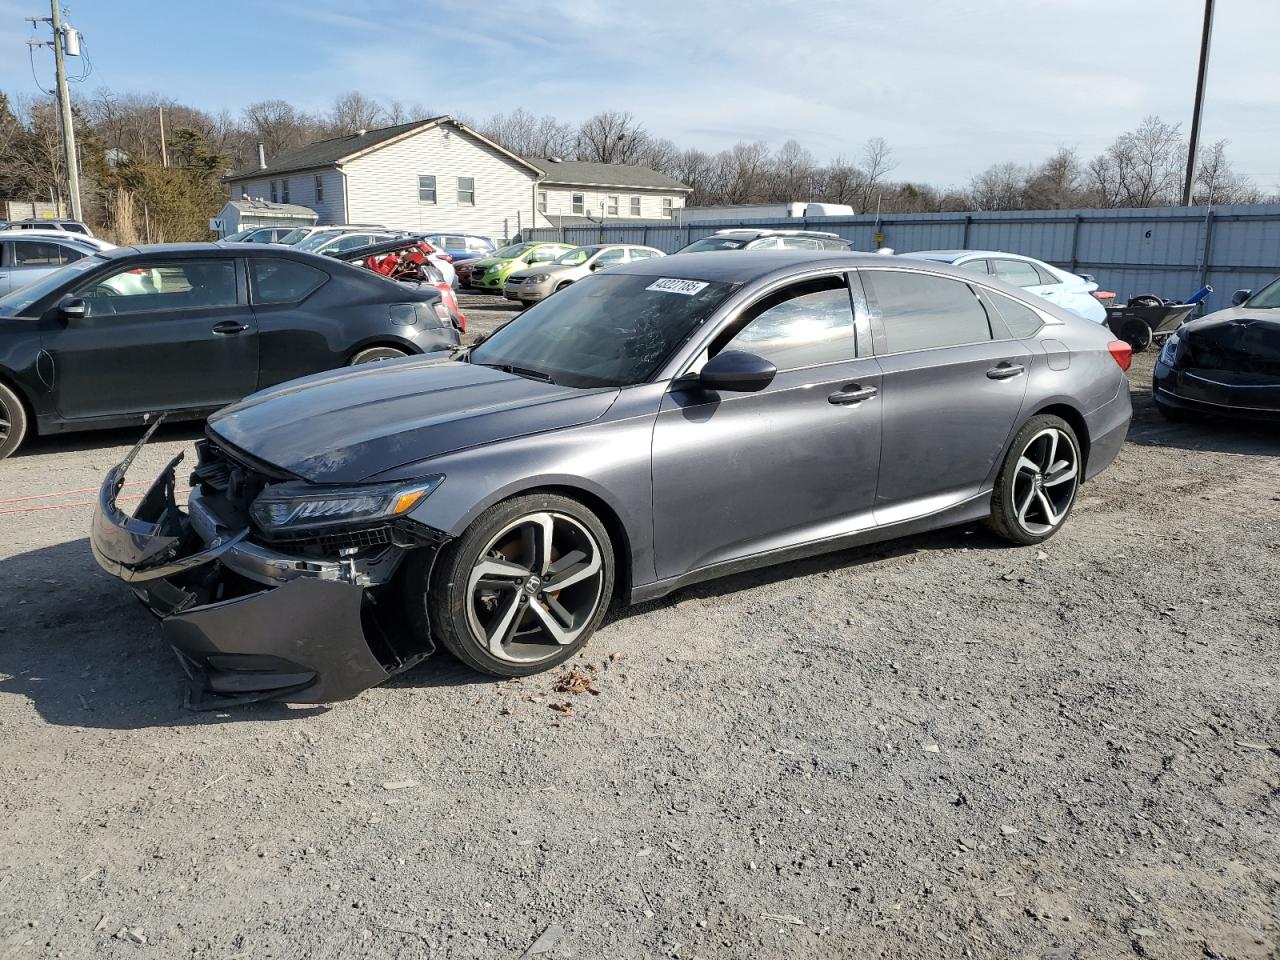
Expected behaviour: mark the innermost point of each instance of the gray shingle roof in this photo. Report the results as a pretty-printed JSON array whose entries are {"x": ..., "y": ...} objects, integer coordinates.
[
  {"x": 325, "y": 153},
  {"x": 585, "y": 173}
]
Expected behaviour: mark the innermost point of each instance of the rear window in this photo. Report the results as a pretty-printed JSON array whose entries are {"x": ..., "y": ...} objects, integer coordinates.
[
  {"x": 714, "y": 243},
  {"x": 284, "y": 281},
  {"x": 919, "y": 311}
]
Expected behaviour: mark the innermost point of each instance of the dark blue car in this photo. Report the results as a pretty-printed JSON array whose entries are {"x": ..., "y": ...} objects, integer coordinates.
[{"x": 462, "y": 246}]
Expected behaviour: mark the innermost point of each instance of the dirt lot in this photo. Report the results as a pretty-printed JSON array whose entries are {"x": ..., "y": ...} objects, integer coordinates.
[{"x": 939, "y": 747}]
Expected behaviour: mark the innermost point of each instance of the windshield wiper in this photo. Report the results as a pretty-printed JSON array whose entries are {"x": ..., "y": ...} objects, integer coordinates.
[{"x": 527, "y": 372}]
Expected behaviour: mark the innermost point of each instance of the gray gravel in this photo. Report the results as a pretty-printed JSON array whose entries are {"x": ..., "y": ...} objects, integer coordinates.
[{"x": 936, "y": 747}]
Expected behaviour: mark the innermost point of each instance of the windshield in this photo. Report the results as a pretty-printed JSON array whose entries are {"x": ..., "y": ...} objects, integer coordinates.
[
  {"x": 318, "y": 239},
  {"x": 714, "y": 243},
  {"x": 1268, "y": 298},
  {"x": 15, "y": 303},
  {"x": 294, "y": 236},
  {"x": 576, "y": 256},
  {"x": 239, "y": 235},
  {"x": 610, "y": 330},
  {"x": 513, "y": 251}
]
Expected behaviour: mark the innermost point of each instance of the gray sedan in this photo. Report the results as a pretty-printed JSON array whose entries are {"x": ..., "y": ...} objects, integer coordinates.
[
  {"x": 538, "y": 283},
  {"x": 661, "y": 423}
]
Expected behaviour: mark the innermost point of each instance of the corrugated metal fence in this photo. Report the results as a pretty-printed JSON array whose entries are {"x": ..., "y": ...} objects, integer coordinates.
[{"x": 1169, "y": 251}]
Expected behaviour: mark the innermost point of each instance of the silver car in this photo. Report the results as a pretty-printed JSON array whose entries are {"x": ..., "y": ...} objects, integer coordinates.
[
  {"x": 654, "y": 425},
  {"x": 538, "y": 283},
  {"x": 30, "y": 255}
]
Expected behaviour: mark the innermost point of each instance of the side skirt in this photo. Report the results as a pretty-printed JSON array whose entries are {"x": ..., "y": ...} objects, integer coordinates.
[{"x": 967, "y": 511}]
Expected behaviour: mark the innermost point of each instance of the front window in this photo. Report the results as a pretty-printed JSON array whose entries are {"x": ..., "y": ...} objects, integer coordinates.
[
  {"x": 576, "y": 256},
  {"x": 578, "y": 203},
  {"x": 635, "y": 206},
  {"x": 800, "y": 326},
  {"x": 294, "y": 236},
  {"x": 164, "y": 285},
  {"x": 1268, "y": 298},
  {"x": 467, "y": 191},
  {"x": 608, "y": 330},
  {"x": 612, "y": 209},
  {"x": 714, "y": 243},
  {"x": 41, "y": 253},
  {"x": 17, "y": 302},
  {"x": 426, "y": 189}
]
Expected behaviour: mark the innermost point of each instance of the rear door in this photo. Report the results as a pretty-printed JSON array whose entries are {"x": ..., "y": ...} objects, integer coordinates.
[
  {"x": 953, "y": 386},
  {"x": 739, "y": 474},
  {"x": 166, "y": 334}
]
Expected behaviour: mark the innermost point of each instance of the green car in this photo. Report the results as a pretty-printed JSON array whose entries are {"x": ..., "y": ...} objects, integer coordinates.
[{"x": 490, "y": 273}]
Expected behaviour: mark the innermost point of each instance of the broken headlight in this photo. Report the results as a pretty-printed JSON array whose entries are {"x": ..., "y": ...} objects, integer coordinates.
[{"x": 304, "y": 506}]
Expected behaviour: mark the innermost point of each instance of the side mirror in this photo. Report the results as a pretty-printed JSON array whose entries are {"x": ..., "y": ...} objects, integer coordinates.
[
  {"x": 1240, "y": 296},
  {"x": 598, "y": 266},
  {"x": 735, "y": 371},
  {"x": 74, "y": 308}
]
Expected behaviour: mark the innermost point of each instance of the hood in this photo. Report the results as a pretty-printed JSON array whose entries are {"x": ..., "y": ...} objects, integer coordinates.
[
  {"x": 486, "y": 262},
  {"x": 551, "y": 268},
  {"x": 347, "y": 425},
  {"x": 1243, "y": 339}
]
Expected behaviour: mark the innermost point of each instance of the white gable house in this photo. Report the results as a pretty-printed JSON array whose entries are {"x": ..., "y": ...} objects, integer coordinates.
[{"x": 427, "y": 175}]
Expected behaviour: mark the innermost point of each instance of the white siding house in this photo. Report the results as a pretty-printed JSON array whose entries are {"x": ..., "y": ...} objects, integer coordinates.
[
  {"x": 438, "y": 174},
  {"x": 428, "y": 175}
]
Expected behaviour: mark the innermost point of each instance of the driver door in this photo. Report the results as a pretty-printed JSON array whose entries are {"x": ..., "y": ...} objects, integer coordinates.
[
  {"x": 739, "y": 474},
  {"x": 160, "y": 335}
]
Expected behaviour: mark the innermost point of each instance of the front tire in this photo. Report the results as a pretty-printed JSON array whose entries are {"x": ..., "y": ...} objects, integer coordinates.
[
  {"x": 1037, "y": 485},
  {"x": 524, "y": 588},
  {"x": 13, "y": 421},
  {"x": 374, "y": 354}
]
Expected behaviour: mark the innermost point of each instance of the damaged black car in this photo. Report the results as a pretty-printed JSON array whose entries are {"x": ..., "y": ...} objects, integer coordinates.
[{"x": 1225, "y": 364}]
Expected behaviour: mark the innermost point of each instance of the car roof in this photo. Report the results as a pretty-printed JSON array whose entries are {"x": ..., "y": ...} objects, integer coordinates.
[
  {"x": 754, "y": 233},
  {"x": 66, "y": 236},
  {"x": 749, "y": 265},
  {"x": 951, "y": 256}
]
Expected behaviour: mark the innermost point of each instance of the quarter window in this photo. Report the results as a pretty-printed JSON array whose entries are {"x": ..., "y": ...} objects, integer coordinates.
[
  {"x": 802, "y": 326},
  {"x": 319, "y": 189},
  {"x": 975, "y": 266},
  {"x": 1018, "y": 272},
  {"x": 283, "y": 281},
  {"x": 612, "y": 208},
  {"x": 578, "y": 202},
  {"x": 635, "y": 206},
  {"x": 426, "y": 189},
  {"x": 167, "y": 285},
  {"x": 467, "y": 191},
  {"x": 1021, "y": 320},
  {"x": 919, "y": 311}
]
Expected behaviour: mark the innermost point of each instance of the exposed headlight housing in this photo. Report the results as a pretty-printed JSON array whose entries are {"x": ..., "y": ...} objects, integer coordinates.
[
  {"x": 286, "y": 507},
  {"x": 1169, "y": 352}
]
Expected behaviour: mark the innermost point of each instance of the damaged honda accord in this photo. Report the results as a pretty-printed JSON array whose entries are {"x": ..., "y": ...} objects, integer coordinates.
[{"x": 665, "y": 422}]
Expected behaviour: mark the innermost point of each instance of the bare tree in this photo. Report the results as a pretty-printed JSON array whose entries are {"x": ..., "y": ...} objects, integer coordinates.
[
  {"x": 529, "y": 136},
  {"x": 792, "y": 173},
  {"x": 1218, "y": 183},
  {"x": 1000, "y": 187},
  {"x": 611, "y": 137},
  {"x": 1141, "y": 168},
  {"x": 877, "y": 164},
  {"x": 279, "y": 125},
  {"x": 352, "y": 112}
]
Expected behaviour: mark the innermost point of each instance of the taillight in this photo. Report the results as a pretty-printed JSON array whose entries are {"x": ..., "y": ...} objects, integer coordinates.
[{"x": 1121, "y": 353}]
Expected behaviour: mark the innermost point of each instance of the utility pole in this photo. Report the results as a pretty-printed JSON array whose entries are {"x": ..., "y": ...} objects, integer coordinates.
[
  {"x": 64, "y": 103},
  {"x": 164, "y": 152},
  {"x": 1193, "y": 150}
]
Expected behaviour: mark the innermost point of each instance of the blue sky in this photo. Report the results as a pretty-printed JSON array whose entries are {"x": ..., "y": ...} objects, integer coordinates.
[{"x": 952, "y": 87}]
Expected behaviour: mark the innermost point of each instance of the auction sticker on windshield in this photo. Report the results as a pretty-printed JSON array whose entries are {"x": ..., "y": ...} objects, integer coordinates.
[{"x": 669, "y": 285}]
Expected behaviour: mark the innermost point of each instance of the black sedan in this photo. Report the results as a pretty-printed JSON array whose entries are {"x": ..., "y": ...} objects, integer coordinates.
[
  {"x": 1227, "y": 363},
  {"x": 186, "y": 328}
]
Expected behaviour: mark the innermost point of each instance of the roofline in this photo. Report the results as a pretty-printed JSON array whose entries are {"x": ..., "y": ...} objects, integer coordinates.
[
  {"x": 501, "y": 149},
  {"x": 546, "y": 181},
  {"x": 270, "y": 174}
]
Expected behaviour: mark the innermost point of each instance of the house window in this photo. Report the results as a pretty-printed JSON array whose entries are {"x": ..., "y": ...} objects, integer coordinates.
[
  {"x": 319, "y": 189},
  {"x": 467, "y": 191},
  {"x": 666, "y": 206},
  {"x": 274, "y": 197},
  {"x": 635, "y": 206},
  {"x": 244, "y": 191},
  {"x": 426, "y": 189},
  {"x": 284, "y": 190},
  {"x": 578, "y": 203},
  {"x": 542, "y": 201},
  {"x": 613, "y": 205}
]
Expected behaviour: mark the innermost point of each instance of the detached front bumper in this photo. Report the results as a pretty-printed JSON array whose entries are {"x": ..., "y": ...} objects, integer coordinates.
[{"x": 247, "y": 622}]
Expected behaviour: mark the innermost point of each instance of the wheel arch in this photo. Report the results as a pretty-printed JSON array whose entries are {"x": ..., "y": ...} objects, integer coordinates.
[
  {"x": 383, "y": 340},
  {"x": 1077, "y": 422},
  {"x": 28, "y": 406}
]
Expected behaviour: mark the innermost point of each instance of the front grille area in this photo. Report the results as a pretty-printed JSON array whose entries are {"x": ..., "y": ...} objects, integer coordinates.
[{"x": 332, "y": 543}]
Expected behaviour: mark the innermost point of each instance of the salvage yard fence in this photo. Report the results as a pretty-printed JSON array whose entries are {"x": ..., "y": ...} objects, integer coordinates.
[{"x": 1168, "y": 251}]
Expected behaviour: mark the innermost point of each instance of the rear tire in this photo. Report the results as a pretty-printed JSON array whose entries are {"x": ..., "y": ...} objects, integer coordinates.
[
  {"x": 374, "y": 354},
  {"x": 13, "y": 421},
  {"x": 523, "y": 589},
  {"x": 1037, "y": 485}
]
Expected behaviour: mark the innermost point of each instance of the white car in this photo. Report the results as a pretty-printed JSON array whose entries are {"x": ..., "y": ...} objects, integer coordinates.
[{"x": 1035, "y": 276}]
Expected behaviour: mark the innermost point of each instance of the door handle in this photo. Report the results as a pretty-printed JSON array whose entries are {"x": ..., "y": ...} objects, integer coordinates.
[
  {"x": 227, "y": 328},
  {"x": 1005, "y": 371},
  {"x": 853, "y": 393}
]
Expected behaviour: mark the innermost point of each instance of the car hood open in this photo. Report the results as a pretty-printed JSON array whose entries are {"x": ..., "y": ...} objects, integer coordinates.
[{"x": 347, "y": 425}]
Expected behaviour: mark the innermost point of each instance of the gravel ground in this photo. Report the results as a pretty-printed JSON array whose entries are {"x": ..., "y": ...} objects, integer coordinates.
[{"x": 937, "y": 747}]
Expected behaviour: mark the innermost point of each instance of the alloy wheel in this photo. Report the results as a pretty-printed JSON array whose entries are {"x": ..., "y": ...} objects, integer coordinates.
[
  {"x": 1045, "y": 481},
  {"x": 6, "y": 421},
  {"x": 535, "y": 587}
]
